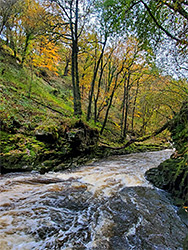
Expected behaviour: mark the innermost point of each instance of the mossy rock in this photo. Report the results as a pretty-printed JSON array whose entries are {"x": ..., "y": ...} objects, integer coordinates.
[
  {"x": 17, "y": 161},
  {"x": 48, "y": 134},
  {"x": 171, "y": 175}
]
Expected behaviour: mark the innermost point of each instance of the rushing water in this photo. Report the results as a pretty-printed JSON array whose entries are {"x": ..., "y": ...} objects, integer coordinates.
[{"x": 105, "y": 205}]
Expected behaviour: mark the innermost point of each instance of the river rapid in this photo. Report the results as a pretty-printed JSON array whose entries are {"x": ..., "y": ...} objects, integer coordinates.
[{"x": 106, "y": 205}]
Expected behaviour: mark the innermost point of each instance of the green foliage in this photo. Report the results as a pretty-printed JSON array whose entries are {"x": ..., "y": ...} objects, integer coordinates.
[
  {"x": 179, "y": 130},
  {"x": 16, "y": 105},
  {"x": 150, "y": 20}
]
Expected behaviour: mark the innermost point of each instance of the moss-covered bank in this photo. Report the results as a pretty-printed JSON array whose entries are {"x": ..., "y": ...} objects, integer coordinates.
[
  {"x": 57, "y": 146},
  {"x": 172, "y": 174},
  {"x": 49, "y": 148}
]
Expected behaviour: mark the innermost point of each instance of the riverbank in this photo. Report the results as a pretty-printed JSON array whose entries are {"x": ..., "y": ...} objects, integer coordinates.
[
  {"x": 59, "y": 148},
  {"x": 172, "y": 174}
]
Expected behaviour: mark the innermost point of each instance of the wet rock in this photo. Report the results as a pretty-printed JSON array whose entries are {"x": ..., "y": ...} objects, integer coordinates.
[
  {"x": 172, "y": 174},
  {"x": 155, "y": 220}
]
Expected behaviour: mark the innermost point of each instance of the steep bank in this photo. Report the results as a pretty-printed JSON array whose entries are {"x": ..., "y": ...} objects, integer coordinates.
[
  {"x": 172, "y": 174},
  {"x": 38, "y": 129},
  {"x": 53, "y": 148}
]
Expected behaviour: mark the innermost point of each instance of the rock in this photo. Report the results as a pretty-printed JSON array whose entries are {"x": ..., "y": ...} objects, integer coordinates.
[
  {"x": 172, "y": 174},
  {"x": 82, "y": 138},
  {"x": 44, "y": 136},
  {"x": 51, "y": 148}
]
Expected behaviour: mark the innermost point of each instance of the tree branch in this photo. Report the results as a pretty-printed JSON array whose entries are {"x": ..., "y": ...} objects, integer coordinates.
[{"x": 161, "y": 27}]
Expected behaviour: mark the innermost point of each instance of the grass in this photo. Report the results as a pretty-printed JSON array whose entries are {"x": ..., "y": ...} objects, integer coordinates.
[{"x": 24, "y": 107}]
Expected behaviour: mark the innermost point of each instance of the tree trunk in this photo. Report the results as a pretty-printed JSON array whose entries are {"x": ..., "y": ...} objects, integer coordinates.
[
  {"x": 123, "y": 108},
  {"x": 66, "y": 67},
  {"x": 93, "y": 81},
  {"x": 134, "y": 107},
  {"x": 98, "y": 90},
  {"x": 108, "y": 109},
  {"x": 78, "y": 100},
  {"x": 126, "y": 105},
  {"x": 28, "y": 36},
  {"x": 141, "y": 139},
  {"x": 74, "y": 69}
]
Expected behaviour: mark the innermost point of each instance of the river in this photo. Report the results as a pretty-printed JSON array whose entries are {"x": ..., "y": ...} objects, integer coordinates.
[{"x": 106, "y": 205}]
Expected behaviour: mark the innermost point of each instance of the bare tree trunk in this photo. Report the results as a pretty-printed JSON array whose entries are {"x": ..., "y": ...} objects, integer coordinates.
[
  {"x": 78, "y": 101},
  {"x": 123, "y": 108},
  {"x": 108, "y": 109},
  {"x": 111, "y": 96},
  {"x": 66, "y": 67},
  {"x": 98, "y": 90}
]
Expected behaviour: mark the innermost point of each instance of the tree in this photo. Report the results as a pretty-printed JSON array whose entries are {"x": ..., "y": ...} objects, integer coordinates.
[
  {"x": 74, "y": 20},
  {"x": 7, "y": 8},
  {"x": 29, "y": 21},
  {"x": 96, "y": 68},
  {"x": 116, "y": 76},
  {"x": 45, "y": 54},
  {"x": 151, "y": 20},
  {"x": 34, "y": 22}
]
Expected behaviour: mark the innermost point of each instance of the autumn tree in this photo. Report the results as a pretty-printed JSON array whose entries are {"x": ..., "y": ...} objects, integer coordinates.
[
  {"x": 34, "y": 22},
  {"x": 9, "y": 12},
  {"x": 115, "y": 76},
  {"x": 30, "y": 21},
  {"x": 45, "y": 54}
]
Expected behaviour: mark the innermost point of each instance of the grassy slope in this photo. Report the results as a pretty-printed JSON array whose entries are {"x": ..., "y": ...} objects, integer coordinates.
[{"x": 48, "y": 107}]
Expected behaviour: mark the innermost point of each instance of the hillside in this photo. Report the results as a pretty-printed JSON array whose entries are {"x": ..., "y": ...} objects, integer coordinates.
[
  {"x": 36, "y": 116},
  {"x": 38, "y": 128}
]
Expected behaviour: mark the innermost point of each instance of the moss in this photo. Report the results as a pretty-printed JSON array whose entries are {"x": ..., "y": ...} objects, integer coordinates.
[
  {"x": 172, "y": 174},
  {"x": 185, "y": 243}
]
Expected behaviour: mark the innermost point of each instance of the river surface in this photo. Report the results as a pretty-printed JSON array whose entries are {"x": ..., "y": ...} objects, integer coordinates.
[{"x": 107, "y": 205}]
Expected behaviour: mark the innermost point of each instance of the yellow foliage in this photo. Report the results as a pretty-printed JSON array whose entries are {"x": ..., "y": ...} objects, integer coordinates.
[
  {"x": 45, "y": 55},
  {"x": 34, "y": 16}
]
